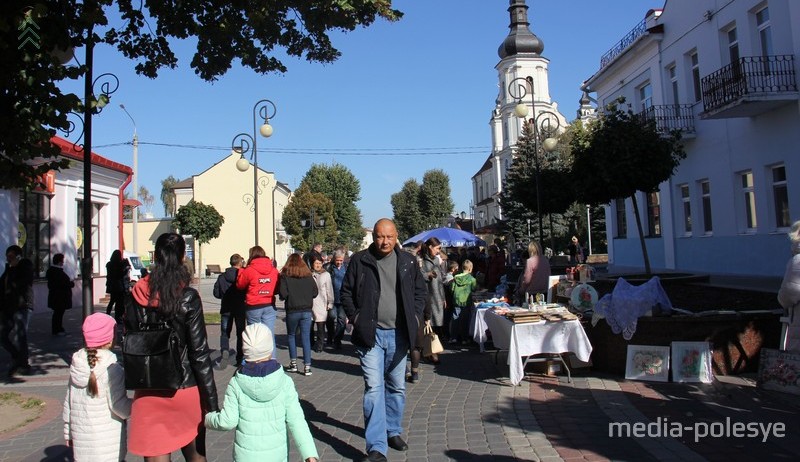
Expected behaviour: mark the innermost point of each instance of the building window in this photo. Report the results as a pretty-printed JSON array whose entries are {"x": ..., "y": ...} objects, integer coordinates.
[
  {"x": 653, "y": 214},
  {"x": 764, "y": 32},
  {"x": 687, "y": 208},
  {"x": 749, "y": 196},
  {"x": 95, "y": 237},
  {"x": 480, "y": 195},
  {"x": 645, "y": 96},
  {"x": 705, "y": 191},
  {"x": 698, "y": 94},
  {"x": 733, "y": 45},
  {"x": 622, "y": 225},
  {"x": 34, "y": 218},
  {"x": 780, "y": 196},
  {"x": 673, "y": 79}
]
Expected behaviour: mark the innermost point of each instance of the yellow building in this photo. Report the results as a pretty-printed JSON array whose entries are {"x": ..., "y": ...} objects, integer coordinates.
[{"x": 230, "y": 191}]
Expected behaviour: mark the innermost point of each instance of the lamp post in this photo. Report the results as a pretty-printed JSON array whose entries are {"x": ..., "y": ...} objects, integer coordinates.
[
  {"x": 544, "y": 124},
  {"x": 135, "y": 181},
  {"x": 589, "y": 226},
  {"x": 263, "y": 109},
  {"x": 311, "y": 223}
]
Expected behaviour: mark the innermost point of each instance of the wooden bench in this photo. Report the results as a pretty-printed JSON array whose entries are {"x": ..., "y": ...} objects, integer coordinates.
[{"x": 213, "y": 269}]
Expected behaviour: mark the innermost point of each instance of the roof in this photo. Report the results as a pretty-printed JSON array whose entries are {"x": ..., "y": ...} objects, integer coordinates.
[
  {"x": 69, "y": 150},
  {"x": 486, "y": 166},
  {"x": 187, "y": 183}
]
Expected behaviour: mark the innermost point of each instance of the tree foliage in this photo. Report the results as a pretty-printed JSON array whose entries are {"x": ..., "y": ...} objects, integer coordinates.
[
  {"x": 168, "y": 195},
  {"x": 199, "y": 220},
  {"x": 435, "y": 202},
  {"x": 146, "y": 199},
  {"x": 339, "y": 184},
  {"x": 624, "y": 153},
  {"x": 299, "y": 209},
  {"x": 255, "y": 34},
  {"x": 406, "y": 210}
]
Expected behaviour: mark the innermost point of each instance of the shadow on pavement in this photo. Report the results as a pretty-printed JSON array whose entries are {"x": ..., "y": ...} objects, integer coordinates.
[
  {"x": 58, "y": 453},
  {"x": 316, "y": 419},
  {"x": 464, "y": 456}
]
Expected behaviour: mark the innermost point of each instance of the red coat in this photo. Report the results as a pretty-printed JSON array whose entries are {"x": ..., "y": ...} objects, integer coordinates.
[{"x": 259, "y": 279}]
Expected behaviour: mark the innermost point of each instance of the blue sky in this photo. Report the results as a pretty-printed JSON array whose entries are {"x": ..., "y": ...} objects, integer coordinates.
[{"x": 424, "y": 86}]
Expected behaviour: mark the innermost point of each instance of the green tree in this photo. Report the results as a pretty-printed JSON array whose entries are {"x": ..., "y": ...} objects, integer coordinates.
[
  {"x": 146, "y": 199},
  {"x": 624, "y": 153},
  {"x": 256, "y": 34},
  {"x": 435, "y": 202},
  {"x": 406, "y": 211},
  {"x": 339, "y": 184},
  {"x": 200, "y": 221},
  {"x": 299, "y": 209},
  {"x": 168, "y": 195}
]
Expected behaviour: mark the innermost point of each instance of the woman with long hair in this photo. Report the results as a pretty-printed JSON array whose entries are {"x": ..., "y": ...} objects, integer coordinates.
[
  {"x": 163, "y": 421},
  {"x": 433, "y": 314},
  {"x": 298, "y": 289},
  {"x": 535, "y": 278},
  {"x": 323, "y": 303},
  {"x": 117, "y": 280}
]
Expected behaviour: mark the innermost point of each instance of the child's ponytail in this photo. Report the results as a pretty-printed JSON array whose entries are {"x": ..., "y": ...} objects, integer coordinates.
[{"x": 91, "y": 357}]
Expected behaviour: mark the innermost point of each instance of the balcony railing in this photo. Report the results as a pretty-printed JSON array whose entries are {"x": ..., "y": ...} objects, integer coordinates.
[
  {"x": 750, "y": 75},
  {"x": 671, "y": 117},
  {"x": 626, "y": 41}
]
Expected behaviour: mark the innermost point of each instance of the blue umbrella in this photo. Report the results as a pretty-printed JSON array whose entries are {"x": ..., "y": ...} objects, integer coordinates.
[{"x": 450, "y": 237}]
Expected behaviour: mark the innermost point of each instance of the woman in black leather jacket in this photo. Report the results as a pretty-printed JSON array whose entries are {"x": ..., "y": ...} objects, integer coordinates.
[{"x": 163, "y": 421}]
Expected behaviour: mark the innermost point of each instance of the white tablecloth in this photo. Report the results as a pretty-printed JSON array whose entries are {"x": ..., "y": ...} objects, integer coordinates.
[
  {"x": 527, "y": 339},
  {"x": 477, "y": 326}
]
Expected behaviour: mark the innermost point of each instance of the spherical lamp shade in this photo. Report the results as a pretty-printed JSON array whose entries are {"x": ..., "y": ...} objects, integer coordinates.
[
  {"x": 266, "y": 130},
  {"x": 550, "y": 144},
  {"x": 521, "y": 110},
  {"x": 242, "y": 164}
]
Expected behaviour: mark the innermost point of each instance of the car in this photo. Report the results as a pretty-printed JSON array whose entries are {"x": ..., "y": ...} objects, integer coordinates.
[{"x": 137, "y": 268}]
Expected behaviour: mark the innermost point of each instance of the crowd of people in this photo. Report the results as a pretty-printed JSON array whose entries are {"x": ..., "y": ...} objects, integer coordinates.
[{"x": 386, "y": 296}]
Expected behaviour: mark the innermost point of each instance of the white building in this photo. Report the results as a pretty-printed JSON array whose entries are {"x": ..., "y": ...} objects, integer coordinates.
[
  {"x": 520, "y": 58},
  {"x": 48, "y": 220},
  {"x": 724, "y": 72}
]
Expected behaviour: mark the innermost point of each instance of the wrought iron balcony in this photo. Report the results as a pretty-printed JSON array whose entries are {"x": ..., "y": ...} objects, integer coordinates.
[
  {"x": 623, "y": 44},
  {"x": 750, "y": 86},
  {"x": 671, "y": 117}
]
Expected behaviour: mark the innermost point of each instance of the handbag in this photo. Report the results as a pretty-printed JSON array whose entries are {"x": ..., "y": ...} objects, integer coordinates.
[
  {"x": 430, "y": 343},
  {"x": 152, "y": 355}
]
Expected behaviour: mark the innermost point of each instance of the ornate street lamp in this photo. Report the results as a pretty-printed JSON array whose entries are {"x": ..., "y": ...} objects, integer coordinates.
[
  {"x": 312, "y": 223},
  {"x": 242, "y": 143},
  {"x": 545, "y": 125}
]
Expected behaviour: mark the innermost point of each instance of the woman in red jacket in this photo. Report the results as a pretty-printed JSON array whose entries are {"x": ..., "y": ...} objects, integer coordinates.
[{"x": 259, "y": 279}]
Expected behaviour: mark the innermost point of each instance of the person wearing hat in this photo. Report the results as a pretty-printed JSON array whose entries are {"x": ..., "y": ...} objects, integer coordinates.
[
  {"x": 261, "y": 403},
  {"x": 96, "y": 405}
]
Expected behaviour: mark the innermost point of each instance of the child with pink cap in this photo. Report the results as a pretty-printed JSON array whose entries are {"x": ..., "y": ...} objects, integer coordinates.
[{"x": 96, "y": 405}]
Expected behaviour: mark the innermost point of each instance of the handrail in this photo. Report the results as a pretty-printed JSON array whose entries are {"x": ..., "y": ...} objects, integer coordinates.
[
  {"x": 639, "y": 30},
  {"x": 749, "y": 75}
]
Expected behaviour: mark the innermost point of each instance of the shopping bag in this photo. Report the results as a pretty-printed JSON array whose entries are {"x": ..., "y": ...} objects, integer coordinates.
[{"x": 431, "y": 344}]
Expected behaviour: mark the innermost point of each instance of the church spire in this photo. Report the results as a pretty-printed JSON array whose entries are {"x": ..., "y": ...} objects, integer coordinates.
[{"x": 520, "y": 39}]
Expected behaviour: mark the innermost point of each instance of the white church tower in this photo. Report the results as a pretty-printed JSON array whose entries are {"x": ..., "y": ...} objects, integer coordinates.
[{"x": 520, "y": 58}]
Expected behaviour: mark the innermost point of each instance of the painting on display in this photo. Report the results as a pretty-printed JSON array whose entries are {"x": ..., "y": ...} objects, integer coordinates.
[
  {"x": 691, "y": 362},
  {"x": 557, "y": 285},
  {"x": 779, "y": 370},
  {"x": 647, "y": 362}
]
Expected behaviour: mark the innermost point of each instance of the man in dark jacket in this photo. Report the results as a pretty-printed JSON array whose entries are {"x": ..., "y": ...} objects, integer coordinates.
[
  {"x": 231, "y": 306},
  {"x": 383, "y": 295},
  {"x": 16, "y": 287},
  {"x": 59, "y": 293}
]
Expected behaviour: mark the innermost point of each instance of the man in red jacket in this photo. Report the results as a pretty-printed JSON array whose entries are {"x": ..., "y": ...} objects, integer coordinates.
[{"x": 259, "y": 279}]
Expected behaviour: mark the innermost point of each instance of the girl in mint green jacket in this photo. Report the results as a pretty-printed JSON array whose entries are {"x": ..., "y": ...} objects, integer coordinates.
[{"x": 261, "y": 403}]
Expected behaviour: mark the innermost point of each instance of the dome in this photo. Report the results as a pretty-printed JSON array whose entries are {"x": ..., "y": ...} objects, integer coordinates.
[{"x": 520, "y": 39}]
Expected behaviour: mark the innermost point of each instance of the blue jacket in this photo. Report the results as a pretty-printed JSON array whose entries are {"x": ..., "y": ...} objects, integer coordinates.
[
  {"x": 261, "y": 403},
  {"x": 361, "y": 291}
]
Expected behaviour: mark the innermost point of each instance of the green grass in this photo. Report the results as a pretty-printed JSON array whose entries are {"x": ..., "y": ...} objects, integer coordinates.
[
  {"x": 16, "y": 398},
  {"x": 212, "y": 318}
]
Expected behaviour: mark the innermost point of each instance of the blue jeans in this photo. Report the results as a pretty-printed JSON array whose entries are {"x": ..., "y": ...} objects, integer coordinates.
[
  {"x": 14, "y": 336},
  {"x": 303, "y": 320},
  {"x": 384, "y": 367},
  {"x": 341, "y": 321},
  {"x": 266, "y": 315}
]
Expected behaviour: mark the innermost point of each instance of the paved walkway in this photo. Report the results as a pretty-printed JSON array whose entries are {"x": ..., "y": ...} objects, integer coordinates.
[{"x": 464, "y": 410}]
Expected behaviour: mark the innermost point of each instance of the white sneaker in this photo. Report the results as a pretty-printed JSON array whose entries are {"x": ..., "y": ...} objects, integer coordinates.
[{"x": 307, "y": 371}]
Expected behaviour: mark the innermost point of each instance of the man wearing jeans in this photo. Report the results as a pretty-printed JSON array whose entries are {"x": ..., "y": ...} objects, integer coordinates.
[{"x": 383, "y": 294}]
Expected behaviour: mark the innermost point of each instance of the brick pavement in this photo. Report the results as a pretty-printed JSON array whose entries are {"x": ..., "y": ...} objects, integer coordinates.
[{"x": 463, "y": 410}]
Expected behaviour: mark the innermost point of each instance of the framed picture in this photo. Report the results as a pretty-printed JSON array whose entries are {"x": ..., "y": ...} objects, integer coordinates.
[
  {"x": 779, "y": 370},
  {"x": 691, "y": 362},
  {"x": 555, "y": 286},
  {"x": 647, "y": 362}
]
